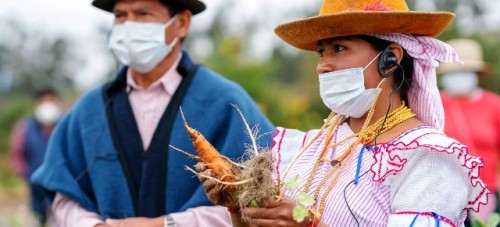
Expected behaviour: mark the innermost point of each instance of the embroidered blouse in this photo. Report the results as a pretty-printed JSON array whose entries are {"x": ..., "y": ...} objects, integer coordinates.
[{"x": 417, "y": 179}]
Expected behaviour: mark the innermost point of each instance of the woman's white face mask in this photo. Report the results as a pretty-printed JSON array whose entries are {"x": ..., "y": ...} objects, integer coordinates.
[
  {"x": 344, "y": 91},
  {"x": 459, "y": 83}
]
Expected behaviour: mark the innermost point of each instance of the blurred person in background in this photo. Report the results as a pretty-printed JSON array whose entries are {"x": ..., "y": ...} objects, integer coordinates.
[
  {"x": 109, "y": 161},
  {"x": 473, "y": 114},
  {"x": 29, "y": 143}
]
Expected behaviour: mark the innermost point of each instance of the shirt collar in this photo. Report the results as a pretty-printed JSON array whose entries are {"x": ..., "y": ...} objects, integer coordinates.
[{"x": 169, "y": 81}]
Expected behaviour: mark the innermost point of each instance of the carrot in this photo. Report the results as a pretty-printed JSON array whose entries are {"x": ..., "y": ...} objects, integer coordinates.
[
  {"x": 224, "y": 170},
  {"x": 247, "y": 183}
]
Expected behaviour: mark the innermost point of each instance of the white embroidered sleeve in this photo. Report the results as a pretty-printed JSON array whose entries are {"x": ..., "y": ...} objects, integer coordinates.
[
  {"x": 287, "y": 143},
  {"x": 431, "y": 184}
]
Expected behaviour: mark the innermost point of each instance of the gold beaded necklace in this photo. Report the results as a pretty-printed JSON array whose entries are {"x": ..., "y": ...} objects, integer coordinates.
[
  {"x": 365, "y": 136},
  {"x": 396, "y": 117}
]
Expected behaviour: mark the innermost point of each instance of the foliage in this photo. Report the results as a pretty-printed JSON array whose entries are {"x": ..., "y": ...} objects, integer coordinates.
[
  {"x": 27, "y": 64},
  {"x": 284, "y": 85},
  {"x": 493, "y": 221},
  {"x": 13, "y": 109},
  {"x": 303, "y": 200}
]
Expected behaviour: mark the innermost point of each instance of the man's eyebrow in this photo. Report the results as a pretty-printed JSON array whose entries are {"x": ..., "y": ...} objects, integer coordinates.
[
  {"x": 115, "y": 11},
  {"x": 136, "y": 7}
]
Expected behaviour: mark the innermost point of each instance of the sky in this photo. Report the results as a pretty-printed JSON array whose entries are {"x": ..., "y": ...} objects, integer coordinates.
[{"x": 78, "y": 20}]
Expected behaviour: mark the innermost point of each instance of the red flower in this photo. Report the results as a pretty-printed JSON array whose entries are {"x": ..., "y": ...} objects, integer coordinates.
[{"x": 378, "y": 6}]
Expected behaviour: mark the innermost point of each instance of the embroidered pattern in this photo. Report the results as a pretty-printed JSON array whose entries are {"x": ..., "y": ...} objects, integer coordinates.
[
  {"x": 428, "y": 214},
  {"x": 390, "y": 160},
  {"x": 378, "y": 6}
]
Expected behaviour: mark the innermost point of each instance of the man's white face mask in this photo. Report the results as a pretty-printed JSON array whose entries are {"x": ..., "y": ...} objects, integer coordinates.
[
  {"x": 141, "y": 46},
  {"x": 459, "y": 83}
]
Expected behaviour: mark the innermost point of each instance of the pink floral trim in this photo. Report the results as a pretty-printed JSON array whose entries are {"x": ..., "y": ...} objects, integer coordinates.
[
  {"x": 276, "y": 136},
  {"x": 388, "y": 161},
  {"x": 304, "y": 139},
  {"x": 430, "y": 214},
  {"x": 378, "y": 6}
]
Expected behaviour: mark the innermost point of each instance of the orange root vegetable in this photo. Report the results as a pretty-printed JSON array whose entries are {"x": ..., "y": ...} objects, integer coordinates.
[
  {"x": 224, "y": 170},
  {"x": 246, "y": 183}
]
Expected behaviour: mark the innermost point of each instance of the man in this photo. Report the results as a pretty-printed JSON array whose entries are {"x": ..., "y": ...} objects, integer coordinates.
[
  {"x": 29, "y": 143},
  {"x": 473, "y": 114},
  {"x": 109, "y": 162}
]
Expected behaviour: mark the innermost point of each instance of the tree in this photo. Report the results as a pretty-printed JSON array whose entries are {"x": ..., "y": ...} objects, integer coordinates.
[
  {"x": 471, "y": 15},
  {"x": 34, "y": 60}
]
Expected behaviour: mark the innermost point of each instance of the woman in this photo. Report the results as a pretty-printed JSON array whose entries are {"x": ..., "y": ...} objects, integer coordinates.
[{"x": 381, "y": 158}]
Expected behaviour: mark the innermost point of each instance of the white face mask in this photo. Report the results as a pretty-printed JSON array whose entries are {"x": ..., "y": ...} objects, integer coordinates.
[
  {"x": 344, "y": 92},
  {"x": 140, "y": 45},
  {"x": 47, "y": 113},
  {"x": 459, "y": 83}
]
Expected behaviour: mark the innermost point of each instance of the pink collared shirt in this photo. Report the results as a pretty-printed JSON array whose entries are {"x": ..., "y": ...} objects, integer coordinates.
[{"x": 148, "y": 106}]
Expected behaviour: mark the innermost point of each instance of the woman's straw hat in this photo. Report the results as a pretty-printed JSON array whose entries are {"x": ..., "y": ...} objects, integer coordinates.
[
  {"x": 355, "y": 17},
  {"x": 471, "y": 53}
]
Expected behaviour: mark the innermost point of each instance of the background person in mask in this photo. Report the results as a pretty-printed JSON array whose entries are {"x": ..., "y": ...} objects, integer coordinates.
[
  {"x": 109, "y": 162},
  {"x": 473, "y": 114},
  {"x": 29, "y": 143},
  {"x": 380, "y": 158}
]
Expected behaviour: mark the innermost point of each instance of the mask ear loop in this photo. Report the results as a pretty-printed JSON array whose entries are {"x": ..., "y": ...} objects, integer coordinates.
[
  {"x": 381, "y": 82},
  {"x": 172, "y": 44},
  {"x": 368, "y": 65},
  {"x": 170, "y": 22},
  {"x": 375, "y": 58}
]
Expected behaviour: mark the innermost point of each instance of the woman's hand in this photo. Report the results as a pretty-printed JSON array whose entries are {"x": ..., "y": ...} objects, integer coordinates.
[
  {"x": 277, "y": 213},
  {"x": 213, "y": 189}
]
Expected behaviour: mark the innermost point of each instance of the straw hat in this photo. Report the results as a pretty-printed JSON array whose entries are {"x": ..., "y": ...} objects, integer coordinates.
[
  {"x": 356, "y": 17},
  {"x": 471, "y": 53},
  {"x": 194, "y": 6}
]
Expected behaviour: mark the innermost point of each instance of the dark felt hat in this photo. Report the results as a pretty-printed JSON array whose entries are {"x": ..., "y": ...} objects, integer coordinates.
[{"x": 194, "y": 6}]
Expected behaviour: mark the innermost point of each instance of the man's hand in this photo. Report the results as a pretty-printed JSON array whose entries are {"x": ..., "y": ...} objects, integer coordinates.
[
  {"x": 213, "y": 189},
  {"x": 135, "y": 222}
]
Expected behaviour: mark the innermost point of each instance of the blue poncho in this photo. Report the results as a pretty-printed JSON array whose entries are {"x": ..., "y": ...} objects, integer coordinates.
[{"x": 95, "y": 155}]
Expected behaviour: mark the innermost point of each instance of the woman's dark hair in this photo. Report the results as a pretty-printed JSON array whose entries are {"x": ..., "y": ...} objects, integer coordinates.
[{"x": 401, "y": 85}]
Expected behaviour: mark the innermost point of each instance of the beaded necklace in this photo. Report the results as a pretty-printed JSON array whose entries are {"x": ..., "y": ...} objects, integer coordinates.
[{"x": 365, "y": 136}]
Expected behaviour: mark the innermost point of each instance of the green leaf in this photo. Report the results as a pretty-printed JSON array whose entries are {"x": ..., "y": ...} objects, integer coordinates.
[
  {"x": 305, "y": 199},
  {"x": 294, "y": 183},
  {"x": 493, "y": 220},
  {"x": 254, "y": 203},
  {"x": 476, "y": 221},
  {"x": 300, "y": 213}
]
